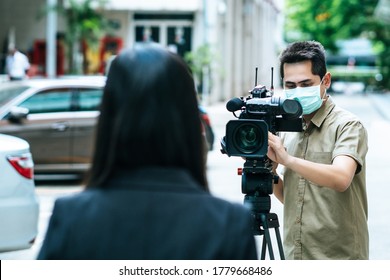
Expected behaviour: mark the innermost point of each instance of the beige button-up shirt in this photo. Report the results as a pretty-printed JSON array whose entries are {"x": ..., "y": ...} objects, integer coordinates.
[{"x": 321, "y": 223}]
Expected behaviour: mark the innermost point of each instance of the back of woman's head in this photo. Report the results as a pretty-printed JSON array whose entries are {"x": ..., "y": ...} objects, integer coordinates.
[{"x": 149, "y": 116}]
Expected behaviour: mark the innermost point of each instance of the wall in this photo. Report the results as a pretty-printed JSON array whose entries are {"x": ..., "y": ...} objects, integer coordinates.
[{"x": 247, "y": 38}]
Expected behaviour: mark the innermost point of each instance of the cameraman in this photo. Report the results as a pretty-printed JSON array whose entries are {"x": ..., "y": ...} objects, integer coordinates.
[{"x": 324, "y": 178}]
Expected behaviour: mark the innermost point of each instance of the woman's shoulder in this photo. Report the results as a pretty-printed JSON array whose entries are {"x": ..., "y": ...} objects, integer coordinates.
[
  {"x": 81, "y": 198},
  {"x": 229, "y": 208}
]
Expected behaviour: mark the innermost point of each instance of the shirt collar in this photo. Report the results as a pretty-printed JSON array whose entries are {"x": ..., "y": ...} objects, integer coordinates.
[{"x": 323, "y": 112}]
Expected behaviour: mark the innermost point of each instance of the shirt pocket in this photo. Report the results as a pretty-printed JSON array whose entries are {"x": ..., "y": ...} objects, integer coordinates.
[
  {"x": 319, "y": 157},
  {"x": 322, "y": 158}
]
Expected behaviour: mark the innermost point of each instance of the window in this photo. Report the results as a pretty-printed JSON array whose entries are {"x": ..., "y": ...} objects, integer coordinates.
[
  {"x": 90, "y": 99},
  {"x": 6, "y": 94},
  {"x": 58, "y": 100},
  {"x": 147, "y": 34}
]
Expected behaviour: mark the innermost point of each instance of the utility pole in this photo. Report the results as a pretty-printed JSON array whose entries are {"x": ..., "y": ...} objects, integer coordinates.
[
  {"x": 206, "y": 69},
  {"x": 51, "y": 30}
]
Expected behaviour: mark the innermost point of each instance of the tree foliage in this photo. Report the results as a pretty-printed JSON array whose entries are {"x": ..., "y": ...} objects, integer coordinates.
[
  {"x": 83, "y": 20},
  {"x": 200, "y": 61},
  {"x": 327, "y": 21},
  {"x": 84, "y": 23}
]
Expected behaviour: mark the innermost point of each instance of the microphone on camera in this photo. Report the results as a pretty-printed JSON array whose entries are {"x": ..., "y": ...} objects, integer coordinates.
[{"x": 235, "y": 104}]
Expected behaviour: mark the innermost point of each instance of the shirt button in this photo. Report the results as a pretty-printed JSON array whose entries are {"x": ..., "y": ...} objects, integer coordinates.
[{"x": 298, "y": 221}]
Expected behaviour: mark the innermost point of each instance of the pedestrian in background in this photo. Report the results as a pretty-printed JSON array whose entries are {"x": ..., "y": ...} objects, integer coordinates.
[
  {"x": 147, "y": 196},
  {"x": 324, "y": 176},
  {"x": 16, "y": 64}
]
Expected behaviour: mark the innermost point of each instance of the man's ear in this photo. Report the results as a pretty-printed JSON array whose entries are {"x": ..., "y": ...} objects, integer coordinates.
[{"x": 327, "y": 80}]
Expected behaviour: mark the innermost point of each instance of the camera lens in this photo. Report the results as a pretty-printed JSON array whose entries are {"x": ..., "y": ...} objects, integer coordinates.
[{"x": 248, "y": 138}]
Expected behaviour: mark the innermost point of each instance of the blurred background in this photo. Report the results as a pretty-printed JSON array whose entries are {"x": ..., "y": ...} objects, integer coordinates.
[{"x": 223, "y": 40}]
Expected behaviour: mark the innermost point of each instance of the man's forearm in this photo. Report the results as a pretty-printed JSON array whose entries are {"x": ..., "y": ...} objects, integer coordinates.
[{"x": 337, "y": 176}]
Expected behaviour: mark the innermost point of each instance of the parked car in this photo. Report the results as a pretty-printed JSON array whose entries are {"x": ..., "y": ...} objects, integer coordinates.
[
  {"x": 58, "y": 117},
  {"x": 19, "y": 207},
  {"x": 208, "y": 129}
]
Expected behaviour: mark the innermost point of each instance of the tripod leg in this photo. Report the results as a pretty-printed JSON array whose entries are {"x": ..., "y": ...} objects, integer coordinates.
[
  {"x": 270, "y": 221},
  {"x": 263, "y": 249},
  {"x": 279, "y": 240},
  {"x": 267, "y": 238}
]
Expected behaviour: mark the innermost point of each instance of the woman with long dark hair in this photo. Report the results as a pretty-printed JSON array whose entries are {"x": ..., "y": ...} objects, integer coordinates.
[{"x": 147, "y": 196}]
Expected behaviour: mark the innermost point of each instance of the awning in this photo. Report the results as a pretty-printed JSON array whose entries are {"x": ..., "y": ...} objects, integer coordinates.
[{"x": 155, "y": 5}]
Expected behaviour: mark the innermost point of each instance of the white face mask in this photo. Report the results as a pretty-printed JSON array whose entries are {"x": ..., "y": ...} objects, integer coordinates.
[{"x": 309, "y": 97}]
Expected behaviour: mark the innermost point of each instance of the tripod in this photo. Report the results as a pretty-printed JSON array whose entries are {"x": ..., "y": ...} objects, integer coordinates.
[
  {"x": 257, "y": 184},
  {"x": 267, "y": 221}
]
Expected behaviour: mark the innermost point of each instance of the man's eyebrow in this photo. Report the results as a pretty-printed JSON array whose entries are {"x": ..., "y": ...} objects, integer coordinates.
[{"x": 300, "y": 82}]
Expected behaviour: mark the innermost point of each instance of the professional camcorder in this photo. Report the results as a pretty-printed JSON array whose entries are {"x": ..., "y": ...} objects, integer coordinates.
[{"x": 261, "y": 112}]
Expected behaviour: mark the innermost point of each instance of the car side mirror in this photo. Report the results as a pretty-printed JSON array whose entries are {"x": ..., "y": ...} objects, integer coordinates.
[{"x": 16, "y": 114}]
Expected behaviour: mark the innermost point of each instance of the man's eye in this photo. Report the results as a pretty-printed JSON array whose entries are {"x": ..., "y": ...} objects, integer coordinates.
[{"x": 289, "y": 86}]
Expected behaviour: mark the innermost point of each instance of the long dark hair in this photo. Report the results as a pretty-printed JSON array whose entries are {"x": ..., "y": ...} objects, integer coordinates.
[{"x": 149, "y": 116}]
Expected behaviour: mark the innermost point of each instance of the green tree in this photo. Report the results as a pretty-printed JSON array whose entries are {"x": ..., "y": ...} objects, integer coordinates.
[
  {"x": 200, "y": 61},
  {"x": 327, "y": 21},
  {"x": 382, "y": 37},
  {"x": 84, "y": 24}
]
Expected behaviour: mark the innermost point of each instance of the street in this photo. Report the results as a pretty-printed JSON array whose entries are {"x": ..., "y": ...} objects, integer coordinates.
[{"x": 225, "y": 183}]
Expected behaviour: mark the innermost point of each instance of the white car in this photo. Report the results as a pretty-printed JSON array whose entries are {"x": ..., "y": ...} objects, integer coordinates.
[{"x": 19, "y": 207}]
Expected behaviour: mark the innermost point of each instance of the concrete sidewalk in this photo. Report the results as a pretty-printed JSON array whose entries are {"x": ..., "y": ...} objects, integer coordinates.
[{"x": 382, "y": 102}]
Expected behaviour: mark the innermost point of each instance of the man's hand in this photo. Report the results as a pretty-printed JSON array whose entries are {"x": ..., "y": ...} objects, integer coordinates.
[{"x": 276, "y": 151}]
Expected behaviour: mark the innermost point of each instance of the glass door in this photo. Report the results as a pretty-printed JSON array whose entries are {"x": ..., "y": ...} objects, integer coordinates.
[{"x": 171, "y": 31}]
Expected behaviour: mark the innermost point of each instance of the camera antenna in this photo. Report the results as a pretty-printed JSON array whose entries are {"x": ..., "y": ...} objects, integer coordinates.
[
  {"x": 272, "y": 79},
  {"x": 256, "y": 76}
]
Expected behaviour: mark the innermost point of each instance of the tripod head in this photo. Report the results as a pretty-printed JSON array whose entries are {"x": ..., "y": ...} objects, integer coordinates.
[{"x": 257, "y": 185}]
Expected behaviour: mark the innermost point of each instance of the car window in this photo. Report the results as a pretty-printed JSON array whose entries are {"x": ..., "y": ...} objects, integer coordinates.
[
  {"x": 58, "y": 100},
  {"x": 7, "y": 94},
  {"x": 89, "y": 99}
]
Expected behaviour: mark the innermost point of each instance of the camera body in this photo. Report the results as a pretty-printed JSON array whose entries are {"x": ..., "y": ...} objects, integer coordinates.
[{"x": 248, "y": 136}]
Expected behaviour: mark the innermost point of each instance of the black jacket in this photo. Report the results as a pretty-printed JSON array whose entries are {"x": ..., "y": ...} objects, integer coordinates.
[{"x": 148, "y": 214}]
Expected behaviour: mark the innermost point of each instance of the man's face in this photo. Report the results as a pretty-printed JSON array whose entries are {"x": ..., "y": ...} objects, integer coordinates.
[{"x": 299, "y": 75}]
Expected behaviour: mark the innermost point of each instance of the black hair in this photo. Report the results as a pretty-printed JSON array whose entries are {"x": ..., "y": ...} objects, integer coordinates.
[
  {"x": 149, "y": 116},
  {"x": 302, "y": 51}
]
